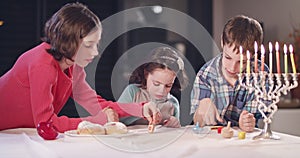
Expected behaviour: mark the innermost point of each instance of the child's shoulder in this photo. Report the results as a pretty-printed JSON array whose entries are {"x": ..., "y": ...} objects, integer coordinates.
[
  {"x": 211, "y": 68},
  {"x": 173, "y": 99},
  {"x": 212, "y": 62},
  {"x": 133, "y": 87}
]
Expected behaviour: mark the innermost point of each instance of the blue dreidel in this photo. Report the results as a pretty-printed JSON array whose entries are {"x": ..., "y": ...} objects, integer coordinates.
[{"x": 197, "y": 129}]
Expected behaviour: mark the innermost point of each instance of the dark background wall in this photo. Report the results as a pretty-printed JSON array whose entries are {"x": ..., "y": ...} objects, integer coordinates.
[{"x": 24, "y": 22}]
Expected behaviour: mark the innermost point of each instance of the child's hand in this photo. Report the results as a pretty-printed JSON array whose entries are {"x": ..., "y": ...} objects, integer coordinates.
[
  {"x": 247, "y": 121},
  {"x": 112, "y": 115},
  {"x": 152, "y": 113},
  {"x": 207, "y": 113},
  {"x": 172, "y": 122}
]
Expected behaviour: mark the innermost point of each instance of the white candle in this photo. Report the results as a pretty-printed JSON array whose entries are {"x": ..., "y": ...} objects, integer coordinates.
[
  {"x": 262, "y": 49},
  {"x": 270, "y": 57},
  {"x": 285, "y": 58},
  {"x": 241, "y": 59},
  {"x": 277, "y": 57}
]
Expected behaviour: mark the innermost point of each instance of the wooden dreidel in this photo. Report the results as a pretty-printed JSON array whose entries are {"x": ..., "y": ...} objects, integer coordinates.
[
  {"x": 227, "y": 132},
  {"x": 151, "y": 128}
]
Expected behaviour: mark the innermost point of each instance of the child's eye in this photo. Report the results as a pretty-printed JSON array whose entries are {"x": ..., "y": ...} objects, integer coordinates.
[
  {"x": 168, "y": 86},
  {"x": 156, "y": 84},
  {"x": 88, "y": 46},
  {"x": 227, "y": 57}
]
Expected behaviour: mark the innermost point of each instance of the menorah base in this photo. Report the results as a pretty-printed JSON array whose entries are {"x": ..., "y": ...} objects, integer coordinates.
[{"x": 266, "y": 133}]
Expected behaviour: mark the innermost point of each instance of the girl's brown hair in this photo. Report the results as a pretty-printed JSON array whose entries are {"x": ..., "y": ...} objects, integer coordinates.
[{"x": 65, "y": 30}]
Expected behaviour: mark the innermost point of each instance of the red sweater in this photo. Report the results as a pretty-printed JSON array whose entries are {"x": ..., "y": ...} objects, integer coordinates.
[{"x": 35, "y": 89}]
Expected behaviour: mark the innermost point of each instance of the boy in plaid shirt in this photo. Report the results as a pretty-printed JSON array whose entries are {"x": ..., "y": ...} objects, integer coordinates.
[{"x": 217, "y": 97}]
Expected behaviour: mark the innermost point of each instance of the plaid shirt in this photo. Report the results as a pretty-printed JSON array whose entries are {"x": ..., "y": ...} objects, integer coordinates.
[{"x": 230, "y": 100}]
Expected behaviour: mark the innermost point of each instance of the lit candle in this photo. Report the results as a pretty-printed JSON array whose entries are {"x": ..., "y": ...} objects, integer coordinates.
[
  {"x": 292, "y": 59},
  {"x": 285, "y": 58},
  {"x": 262, "y": 49},
  {"x": 241, "y": 59},
  {"x": 255, "y": 57},
  {"x": 270, "y": 57},
  {"x": 277, "y": 57},
  {"x": 248, "y": 62}
]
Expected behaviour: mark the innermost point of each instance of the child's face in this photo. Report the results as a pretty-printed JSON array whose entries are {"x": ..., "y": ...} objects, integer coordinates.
[
  {"x": 231, "y": 62},
  {"x": 88, "y": 49},
  {"x": 160, "y": 82}
]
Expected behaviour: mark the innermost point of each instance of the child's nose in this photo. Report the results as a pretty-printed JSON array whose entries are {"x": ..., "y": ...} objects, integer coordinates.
[
  {"x": 234, "y": 67},
  {"x": 95, "y": 51},
  {"x": 162, "y": 89}
]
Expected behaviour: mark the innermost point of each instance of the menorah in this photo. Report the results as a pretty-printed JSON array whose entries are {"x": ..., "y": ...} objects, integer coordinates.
[{"x": 267, "y": 88}]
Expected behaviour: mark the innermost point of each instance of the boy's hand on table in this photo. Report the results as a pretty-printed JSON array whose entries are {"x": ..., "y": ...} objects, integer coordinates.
[
  {"x": 247, "y": 121},
  {"x": 207, "y": 113}
]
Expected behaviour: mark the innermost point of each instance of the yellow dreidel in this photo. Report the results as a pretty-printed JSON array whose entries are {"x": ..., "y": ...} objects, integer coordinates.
[{"x": 242, "y": 135}]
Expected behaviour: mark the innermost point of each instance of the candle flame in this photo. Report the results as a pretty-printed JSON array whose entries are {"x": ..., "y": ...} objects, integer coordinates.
[
  {"x": 248, "y": 54},
  {"x": 276, "y": 46},
  {"x": 255, "y": 47},
  {"x": 241, "y": 49},
  {"x": 270, "y": 47},
  {"x": 262, "y": 49},
  {"x": 291, "y": 48},
  {"x": 284, "y": 48}
]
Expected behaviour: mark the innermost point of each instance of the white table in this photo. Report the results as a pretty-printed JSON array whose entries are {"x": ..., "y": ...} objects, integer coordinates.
[{"x": 25, "y": 143}]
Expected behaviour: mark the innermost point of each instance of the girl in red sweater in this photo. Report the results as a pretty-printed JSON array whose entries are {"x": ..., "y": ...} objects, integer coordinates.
[{"x": 37, "y": 87}]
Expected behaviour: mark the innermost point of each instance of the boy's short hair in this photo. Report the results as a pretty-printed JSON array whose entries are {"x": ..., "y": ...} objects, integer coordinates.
[{"x": 242, "y": 31}]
